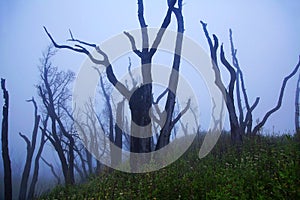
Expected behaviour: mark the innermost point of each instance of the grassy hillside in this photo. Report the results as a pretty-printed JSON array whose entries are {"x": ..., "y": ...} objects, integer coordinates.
[{"x": 264, "y": 168}]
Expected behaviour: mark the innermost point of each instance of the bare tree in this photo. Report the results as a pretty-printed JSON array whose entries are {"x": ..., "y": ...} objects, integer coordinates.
[
  {"x": 4, "y": 140},
  {"x": 279, "y": 101},
  {"x": 34, "y": 179},
  {"x": 90, "y": 136},
  {"x": 297, "y": 107},
  {"x": 55, "y": 94},
  {"x": 165, "y": 133},
  {"x": 31, "y": 144},
  {"x": 228, "y": 94},
  {"x": 239, "y": 124},
  {"x": 245, "y": 120},
  {"x": 140, "y": 98}
]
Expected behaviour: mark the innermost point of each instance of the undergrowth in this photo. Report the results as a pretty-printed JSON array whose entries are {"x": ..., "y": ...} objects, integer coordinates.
[{"x": 264, "y": 167}]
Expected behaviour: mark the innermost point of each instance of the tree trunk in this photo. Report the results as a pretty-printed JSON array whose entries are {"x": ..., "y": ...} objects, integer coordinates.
[
  {"x": 71, "y": 175},
  {"x": 140, "y": 104},
  {"x": 297, "y": 104},
  {"x": 60, "y": 152},
  {"x": 36, "y": 168},
  {"x": 165, "y": 133},
  {"x": 30, "y": 151},
  {"x": 4, "y": 140},
  {"x": 141, "y": 101},
  {"x": 117, "y": 158},
  {"x": 236, "y": 131}
]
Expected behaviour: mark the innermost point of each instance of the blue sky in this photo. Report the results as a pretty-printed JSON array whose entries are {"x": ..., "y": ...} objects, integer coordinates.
[{"x": 266, "y": 34}]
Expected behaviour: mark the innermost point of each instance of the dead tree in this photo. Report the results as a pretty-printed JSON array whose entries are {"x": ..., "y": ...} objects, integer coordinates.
[
  {"x": 239, "y": 124},
  {"x": 4, "y": 140},
  {"x": 228, "y": 94},
  {"x": 140, "y": 99},
  {"x": 31, "y": 144},
  {"x": 279, "y": 101},
  {"x": 245, "y": 120},
  {"x": 297, "y": 107},
  {"x": 90, "y": 136},
  {"x": 165, "y": 133},
  {"x": 55, "y": 94},
  {"x": 37, "y": 160}
]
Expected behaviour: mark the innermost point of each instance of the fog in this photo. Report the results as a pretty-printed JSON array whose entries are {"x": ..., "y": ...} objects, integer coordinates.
[{"x": 266, "y": 34}]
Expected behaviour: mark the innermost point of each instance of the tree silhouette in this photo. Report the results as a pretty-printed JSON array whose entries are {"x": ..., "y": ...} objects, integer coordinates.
[
  {"x": 297, "y": 107},
  {"x": 54, "y": 93},
  {"x": 4, "y": 141},
  {"x": 140, "y": 99},
  {"x": 31, "y": 145},
  {"x": 239, "y": 124}
]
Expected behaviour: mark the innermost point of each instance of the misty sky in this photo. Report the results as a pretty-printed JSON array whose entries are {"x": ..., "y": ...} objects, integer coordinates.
[{"x": 266, "y": 34}]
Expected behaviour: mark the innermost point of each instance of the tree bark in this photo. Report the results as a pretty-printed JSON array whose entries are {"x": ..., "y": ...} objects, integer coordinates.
[
  {"x": 165, "y": 133},
  {"x": 30, "y": 151},
  {"x": 140, "y": 104},
  {"x": 228, "y": 94},
  {"x": 37, "y": 164},
  {"x": 297, "y": 107},
  {"x": 4, "y": 140},
  {"x": 117, "y": 158}
]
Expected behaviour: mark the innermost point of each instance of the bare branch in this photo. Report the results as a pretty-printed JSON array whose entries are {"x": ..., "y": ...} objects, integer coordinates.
[
  {"x": 79, "y": 49},
  {"x": 79, "y": 41},
  {"x": 161, "y": 96},
  {"x": 231, "y": 71},
  {"x": 212, "y": 46},
  {"x": 188, "y": 104},
  {"x": 4, "y": 142},
  {"x": 112, "y": 79},
  {"x": 213, "y": 53},
  {"x": 279, "y": 102},
  {"x": 239, "y": 78},
  {"x": 134, "y": 82},
  {"x": 30, "y": 151},
  {"x": 163, "y": 27},
  {"x": 248, "y": 117},
  {"x": 297, "y": 106},
  {"x": 52, "y": 170},
  {"x": 71, "y": 34},
  {"x": 97, "y": 48},
  {"x": 34, "y": 104},
  {"x": 143, "y": 25},
  {"x": 238, "y": 72},
  {"x": 141, "y": 14},
  {"x": 110, "y": 74},
  {"x": 133, "y": 45},
  {"x": 26, "y": 140}
]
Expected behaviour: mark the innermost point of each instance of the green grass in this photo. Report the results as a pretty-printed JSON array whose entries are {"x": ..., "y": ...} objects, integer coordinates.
[{"x": 264, "y": 168}]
